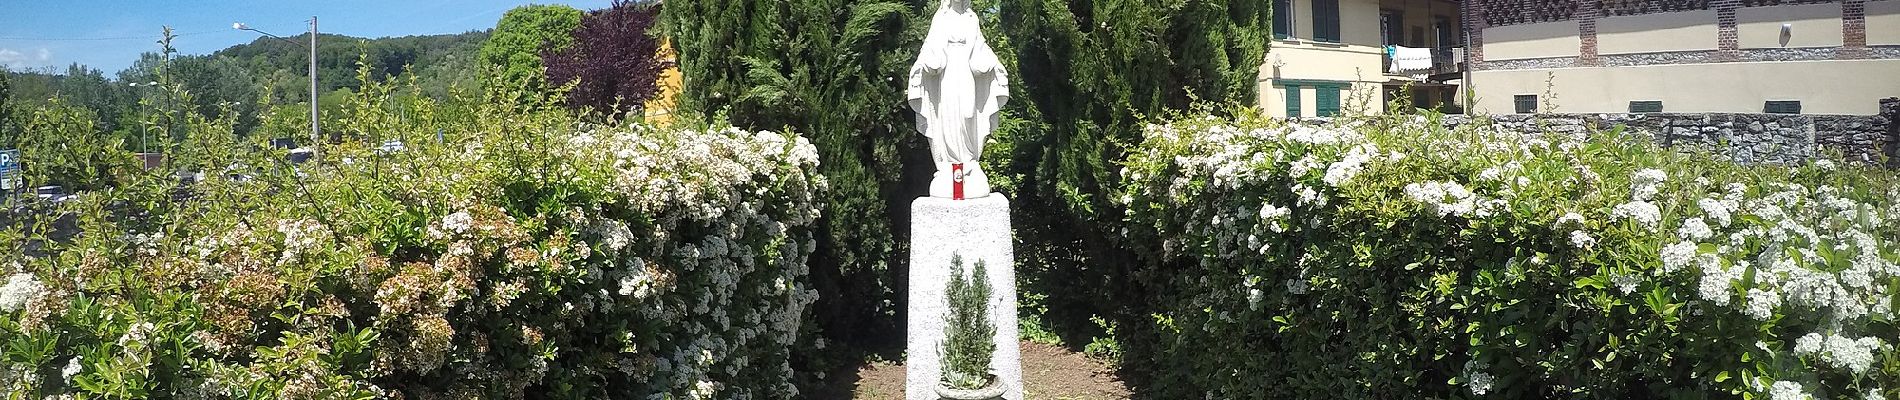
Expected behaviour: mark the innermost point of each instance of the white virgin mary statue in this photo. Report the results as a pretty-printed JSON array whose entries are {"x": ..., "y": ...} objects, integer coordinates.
[{"x": 956, "y": 87}]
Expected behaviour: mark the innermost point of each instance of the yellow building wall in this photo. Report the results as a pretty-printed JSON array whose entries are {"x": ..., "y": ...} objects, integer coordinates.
[
  {"x": 1359, "y": 66},
  {"x": 1357, "y": 61},
  {"x": 1358, "y": 21},
  {"x": 1823, "y": 87},
  {"x": 1811, "y": 25},
  {"x": 1420, "y": 14},
  {"x": 660, "y": 109},
  {"x": 1356, "y": 98},
  {"x": 1651, "y": 33},
  {"x": 1883, "y": 22},
  {"x": 1538, "y": 40}
]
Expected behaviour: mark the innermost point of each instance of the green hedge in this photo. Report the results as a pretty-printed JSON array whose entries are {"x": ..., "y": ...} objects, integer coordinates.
[
  {"x": 1388, "y": 257},
  {"x": 521, "y": 254}
]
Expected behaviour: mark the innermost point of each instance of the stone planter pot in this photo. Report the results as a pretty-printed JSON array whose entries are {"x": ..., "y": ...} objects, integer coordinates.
[{"x": 993, "y": 391}]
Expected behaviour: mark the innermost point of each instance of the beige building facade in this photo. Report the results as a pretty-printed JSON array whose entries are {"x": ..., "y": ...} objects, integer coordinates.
[
  {"x": 1731, "y": 56},
  {"x": 1330, "y": 56}
]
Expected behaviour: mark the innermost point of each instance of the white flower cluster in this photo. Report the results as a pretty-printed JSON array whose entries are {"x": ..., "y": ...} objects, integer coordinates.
[
  {"x": 1714, "y": 287},
  {"x": 1695, "y": 229},
  {"x": 1718, "y": 210},
  {"x": 300, "y": 236},
  {"x": 705, "y": 172},
  {"x": 1582, "y": 240},
  {"x": 1274, "y": 217},
  {"x": 1322, "y": 134},
  {"x": 1498, "y": 172},
  {"x": 1679, "y": 256},
  {"x": 1786, "y": 390},
  {"x": 1761, "y": 303},
  {"x": 1646, "y": 183},
  {"x": 1626, "y": 283},
  {"x": 451, "y": 225},
  {"x": 137, "y": 334},
  {"x": 1788, "y": 248},
  {"x": 703, "y": 390},
  {"x": 73, "y": 367},
  {"x": 1578, "y": 237},
  {"x": 21, "y": 289},
  {"x": 1477, "y": 379},
  {"x": 635, "y": 280},
  {"x": 1840, "y": 351},
  {"x": 1644, "y": 213},
  {"x": 1350, "y": 166},
  {"x": 614, "y": 234},
  {"x": 1444, "y": 198}
]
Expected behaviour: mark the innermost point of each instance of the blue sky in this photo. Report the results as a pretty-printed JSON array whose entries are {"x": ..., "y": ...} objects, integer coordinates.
[{"x": 109, "y": 35}]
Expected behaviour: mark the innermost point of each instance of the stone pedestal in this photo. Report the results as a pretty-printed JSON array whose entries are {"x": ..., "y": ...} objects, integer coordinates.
[{"x": 977, "y": 229}]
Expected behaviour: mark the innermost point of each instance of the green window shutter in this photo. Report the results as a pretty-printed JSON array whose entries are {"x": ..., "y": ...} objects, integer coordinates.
[
  {"x": 1326, "y": 20},
  {"x": 1327, "y": 99},
  {"x": 1292, "y": 101}
]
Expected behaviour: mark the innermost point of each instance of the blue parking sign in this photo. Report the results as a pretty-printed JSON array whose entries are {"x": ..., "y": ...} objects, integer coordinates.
[{"x": 9, "y": 169}]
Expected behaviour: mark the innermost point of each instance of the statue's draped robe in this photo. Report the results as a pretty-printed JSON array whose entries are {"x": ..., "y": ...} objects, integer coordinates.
[{"x": 956, "y": 87}]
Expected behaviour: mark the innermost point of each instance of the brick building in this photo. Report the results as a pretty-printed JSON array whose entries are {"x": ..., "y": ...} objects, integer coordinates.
[{"x": 1738, "y": 56}]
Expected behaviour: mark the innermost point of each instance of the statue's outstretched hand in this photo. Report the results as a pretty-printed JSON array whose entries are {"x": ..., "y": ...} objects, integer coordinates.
[
  {"x": 983, "y": 61},
  {"x": 933, "y": 61}
]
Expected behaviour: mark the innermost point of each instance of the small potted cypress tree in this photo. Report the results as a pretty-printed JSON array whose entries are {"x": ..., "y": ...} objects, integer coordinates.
[{"x": 968, "y": 337}]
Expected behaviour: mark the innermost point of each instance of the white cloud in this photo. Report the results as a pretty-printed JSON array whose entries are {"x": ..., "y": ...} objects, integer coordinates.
[{"x": 16, "y": 59}]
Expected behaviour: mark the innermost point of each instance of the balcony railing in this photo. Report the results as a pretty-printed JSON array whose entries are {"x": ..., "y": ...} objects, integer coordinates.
[{"x": 1444, "y": 61}]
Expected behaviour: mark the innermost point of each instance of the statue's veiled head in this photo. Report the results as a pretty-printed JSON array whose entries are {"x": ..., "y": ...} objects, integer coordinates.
[{"x": 957, "y": 5}]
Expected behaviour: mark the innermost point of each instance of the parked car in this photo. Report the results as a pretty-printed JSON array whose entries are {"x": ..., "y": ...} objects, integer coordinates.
[{"x": 52, "y": 193}]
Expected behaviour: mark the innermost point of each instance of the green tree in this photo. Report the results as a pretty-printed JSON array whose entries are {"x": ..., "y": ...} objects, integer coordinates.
[
  {"x": 62, "y": 144},
  {"x": 834, "y": 69},
  {"x": 525, "y": 34},
  {"x": 218, "y": 85},
  {"x": 7, "y": 128},
  {"x": 1088, "y": 74},
  {"x": 88, "y": 88}
]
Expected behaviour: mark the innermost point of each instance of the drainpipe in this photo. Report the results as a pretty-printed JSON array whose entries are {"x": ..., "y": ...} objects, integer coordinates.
[{"x": 1464, "y": 88}]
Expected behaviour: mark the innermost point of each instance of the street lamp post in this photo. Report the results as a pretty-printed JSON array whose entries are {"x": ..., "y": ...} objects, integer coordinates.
[{"x": 316, "y": 130}]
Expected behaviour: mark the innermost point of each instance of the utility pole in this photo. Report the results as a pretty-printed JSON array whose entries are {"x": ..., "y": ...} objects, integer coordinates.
[{"x": 316, "y": 131}]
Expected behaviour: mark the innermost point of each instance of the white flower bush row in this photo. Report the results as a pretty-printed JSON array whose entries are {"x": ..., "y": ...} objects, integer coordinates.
[
  {"x": 648, "y": 263},
  {"x": 701, "y": 171},
  {"x": 742, "y": 284},
  {"x": 1806, "y": 258}
]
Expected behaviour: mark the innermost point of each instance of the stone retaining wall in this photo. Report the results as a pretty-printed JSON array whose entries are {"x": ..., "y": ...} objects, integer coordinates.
[
  {"x": 1748, "y": 138},
  {"x": 1890, "y": 110}
]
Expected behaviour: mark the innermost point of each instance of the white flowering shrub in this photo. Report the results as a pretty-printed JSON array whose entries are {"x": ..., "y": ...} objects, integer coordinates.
[
  {"x": 1389, "y": 257},
  {"x": 519, "y": 254}
]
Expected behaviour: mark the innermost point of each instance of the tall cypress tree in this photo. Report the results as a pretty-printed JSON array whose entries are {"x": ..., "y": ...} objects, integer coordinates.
[
  {"x": 833, "y": 70},
  {"x": 1090, "y": 70}
]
